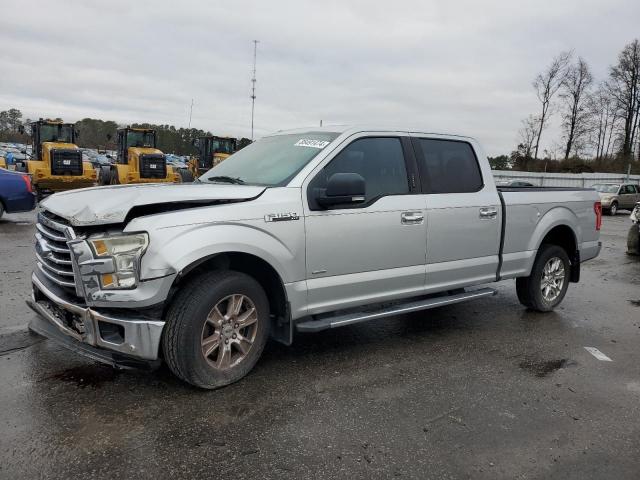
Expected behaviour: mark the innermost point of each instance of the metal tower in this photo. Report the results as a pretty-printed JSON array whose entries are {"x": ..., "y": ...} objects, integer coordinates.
[{"x": 253, "y": 85}]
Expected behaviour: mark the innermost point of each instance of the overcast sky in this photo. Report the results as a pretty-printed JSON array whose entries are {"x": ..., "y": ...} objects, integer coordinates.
[{"x": 457, "y": 66}]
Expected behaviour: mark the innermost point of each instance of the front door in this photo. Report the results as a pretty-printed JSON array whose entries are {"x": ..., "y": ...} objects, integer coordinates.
[
  {"x": 627, "y": 196},
  {"x": 373, "y": 251}
]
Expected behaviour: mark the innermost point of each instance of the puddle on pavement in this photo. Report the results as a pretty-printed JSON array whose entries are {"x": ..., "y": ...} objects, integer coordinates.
[
  {"x": 542, "y": 368},
  {"x": 635, "y": 303},
  {"x": 88, "y": 376}
]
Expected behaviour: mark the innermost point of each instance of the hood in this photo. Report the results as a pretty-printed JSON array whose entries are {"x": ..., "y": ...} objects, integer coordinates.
[{"x": 112, "y": 204}]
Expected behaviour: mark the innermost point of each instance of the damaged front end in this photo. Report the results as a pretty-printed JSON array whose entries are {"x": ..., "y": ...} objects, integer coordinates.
[{"x": 89, "y": 295}]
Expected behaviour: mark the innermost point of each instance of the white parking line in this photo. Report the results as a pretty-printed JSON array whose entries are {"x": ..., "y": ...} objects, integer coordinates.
[{"x": 598, "y": 354}]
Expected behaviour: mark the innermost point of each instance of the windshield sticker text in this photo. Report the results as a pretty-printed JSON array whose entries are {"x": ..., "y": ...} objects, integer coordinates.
[{"x": 307, "y": 142}]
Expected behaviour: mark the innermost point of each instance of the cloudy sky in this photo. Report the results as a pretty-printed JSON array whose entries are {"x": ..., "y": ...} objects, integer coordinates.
[{"x": 458, "y": 66}]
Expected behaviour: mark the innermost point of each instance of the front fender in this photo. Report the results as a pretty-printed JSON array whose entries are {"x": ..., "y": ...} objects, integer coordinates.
[{"x": 175, "y": 249}]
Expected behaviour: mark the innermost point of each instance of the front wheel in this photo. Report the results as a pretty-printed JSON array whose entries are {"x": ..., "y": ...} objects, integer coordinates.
[
  {"x": 217, "y": 327},
  {"x": 613, "y": 210},
  {"x": 547, "y": 285}
]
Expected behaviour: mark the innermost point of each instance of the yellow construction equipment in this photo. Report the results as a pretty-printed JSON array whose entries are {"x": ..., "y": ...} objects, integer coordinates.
[
  {"x": 138, "y": 160},
  {"x": 56, "y": 162},
  {"x": 211, "y": 151}
]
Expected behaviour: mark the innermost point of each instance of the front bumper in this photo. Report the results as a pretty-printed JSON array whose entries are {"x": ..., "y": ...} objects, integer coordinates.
[{"x": 117, "y": 339}]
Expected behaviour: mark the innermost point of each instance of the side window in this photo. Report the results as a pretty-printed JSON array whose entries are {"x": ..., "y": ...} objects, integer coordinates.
[
  {"x": 380, "y": 161},
  {"x": 449, "y": 166}
]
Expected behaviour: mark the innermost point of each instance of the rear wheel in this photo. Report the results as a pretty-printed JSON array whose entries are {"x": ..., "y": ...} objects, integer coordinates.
[
  {"x": 1, "y": 209},
  {"x": 185, "y": 175},
  {"x": 217, "y": 327},
  {"x": 547, "y": 285},
  {"x": 113, "y": 178},
  {"x": 104, "y": 175}
]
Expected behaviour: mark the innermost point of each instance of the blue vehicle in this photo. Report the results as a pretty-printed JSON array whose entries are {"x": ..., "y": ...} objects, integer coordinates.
[{"x": 16, "y": 192}]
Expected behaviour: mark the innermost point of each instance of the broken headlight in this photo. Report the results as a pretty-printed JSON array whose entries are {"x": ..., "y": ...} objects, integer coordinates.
[{"x": 126, "y": 251}]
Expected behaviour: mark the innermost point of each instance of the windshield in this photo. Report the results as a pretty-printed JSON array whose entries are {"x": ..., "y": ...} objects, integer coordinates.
[
  {"x": 140, "y": 139},
  {"x": 271, "y": 161},
  {"x": 56, "y": 133},
  {"x": 606, "y": 188}
]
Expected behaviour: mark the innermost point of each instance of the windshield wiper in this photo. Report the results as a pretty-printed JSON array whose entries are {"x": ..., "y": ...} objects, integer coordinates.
[{"x": 226, "y": 179}]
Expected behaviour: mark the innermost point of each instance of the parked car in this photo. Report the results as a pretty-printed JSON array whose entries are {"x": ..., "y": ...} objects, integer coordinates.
[
  {"x": 515, "y": 183},
  {"x": 633, "y": 238},
  {"x": 615, "y": 196},
  {"x": 176, "y": 161},
  {"x": 302, "y": 230},
  {"x": 16, "y": 192}
]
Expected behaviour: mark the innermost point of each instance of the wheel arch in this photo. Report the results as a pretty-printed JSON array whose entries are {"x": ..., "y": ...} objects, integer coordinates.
[
  {"x": 256, "y": 267},
  {"x": 560, "y": 227}
]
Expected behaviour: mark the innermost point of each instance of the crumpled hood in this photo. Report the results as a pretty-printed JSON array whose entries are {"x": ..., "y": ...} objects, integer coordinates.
[{"x": 111, "y": 204}]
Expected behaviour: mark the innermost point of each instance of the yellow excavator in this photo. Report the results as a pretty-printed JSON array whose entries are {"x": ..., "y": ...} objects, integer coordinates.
[
  {"x": 211, "y": 151},
  {"x": 138, "y": 160},
  {"x": 56, "y": 163}
]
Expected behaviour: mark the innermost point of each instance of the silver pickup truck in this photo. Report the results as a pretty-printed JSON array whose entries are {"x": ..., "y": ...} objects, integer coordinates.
[{"x": 303, "y": 230}]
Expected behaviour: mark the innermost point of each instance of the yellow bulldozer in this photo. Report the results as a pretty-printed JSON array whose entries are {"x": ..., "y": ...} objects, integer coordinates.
[
  {"x": 211, "y": 151},
  {"x": 56, "y": 163},
  {"x": 138, "y": 160}
]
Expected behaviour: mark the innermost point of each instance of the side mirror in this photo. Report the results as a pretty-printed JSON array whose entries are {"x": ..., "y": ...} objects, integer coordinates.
[{"x": 342, "y": 189}]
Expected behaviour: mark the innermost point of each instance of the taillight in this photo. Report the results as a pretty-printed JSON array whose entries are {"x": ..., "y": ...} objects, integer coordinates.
[
  {"x": 27, "y": 180},
  {"x": 597, "y": 207}
]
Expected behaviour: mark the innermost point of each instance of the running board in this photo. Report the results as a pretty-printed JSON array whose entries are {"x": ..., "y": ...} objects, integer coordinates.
[{"x": 414, "y": 306}]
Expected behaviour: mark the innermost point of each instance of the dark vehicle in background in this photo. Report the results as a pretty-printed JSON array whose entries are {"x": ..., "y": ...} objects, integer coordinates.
[
  {"x": 16, "y": 192},
  {"x": 633, "y": 238}
]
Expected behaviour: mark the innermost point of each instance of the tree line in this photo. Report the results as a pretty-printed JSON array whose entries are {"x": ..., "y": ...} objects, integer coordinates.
[
  {"x": 599, "y": 120},
  {"x": 101, "y": 134}
]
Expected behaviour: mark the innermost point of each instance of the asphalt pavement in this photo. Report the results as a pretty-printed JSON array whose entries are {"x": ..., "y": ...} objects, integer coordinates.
[{"x": 484, "y": 389}]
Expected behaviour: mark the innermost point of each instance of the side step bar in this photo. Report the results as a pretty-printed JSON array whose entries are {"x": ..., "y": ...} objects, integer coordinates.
[{"x": 397, "y": 309}]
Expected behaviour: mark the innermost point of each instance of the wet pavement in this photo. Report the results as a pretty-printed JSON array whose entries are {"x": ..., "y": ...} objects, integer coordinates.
[{"x": 484, "y": 389}]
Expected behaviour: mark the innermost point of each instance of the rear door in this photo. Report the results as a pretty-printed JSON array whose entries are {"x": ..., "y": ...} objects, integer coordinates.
[
  {"x": 463, "y": 213},
  {"x": 627, "y": 196}
]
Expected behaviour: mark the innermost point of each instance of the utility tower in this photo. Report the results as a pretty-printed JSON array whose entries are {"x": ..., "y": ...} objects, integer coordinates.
[{"x": 253, "y": 85}]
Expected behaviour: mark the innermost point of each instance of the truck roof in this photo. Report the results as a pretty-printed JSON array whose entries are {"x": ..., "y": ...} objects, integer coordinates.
[{"x": 367, "y": 128}]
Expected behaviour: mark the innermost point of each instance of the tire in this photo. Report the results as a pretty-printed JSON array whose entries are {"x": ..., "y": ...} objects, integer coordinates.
[
  {"x": 192, "y": 319},
  {"x": 633, "y": 240},
  {"x": 1, "y": 209},
  {"x": 613, "y": 209},
  {"x": 113, "y": 178},
  {"x": 104, "y": 176},
  {"x": 185, "y": 175},
  {"x": 529, "y": 289}
]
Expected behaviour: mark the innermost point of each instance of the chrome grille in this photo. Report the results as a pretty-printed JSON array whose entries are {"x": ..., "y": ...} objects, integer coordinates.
[{"x": 53, "y": 256}]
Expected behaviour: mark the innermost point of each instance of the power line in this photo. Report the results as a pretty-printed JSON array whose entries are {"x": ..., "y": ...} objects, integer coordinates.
[{"x": 253, "y": 85}]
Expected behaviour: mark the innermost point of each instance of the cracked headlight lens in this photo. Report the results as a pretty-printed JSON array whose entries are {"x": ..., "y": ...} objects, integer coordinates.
[{"x": 126, "y": 251}]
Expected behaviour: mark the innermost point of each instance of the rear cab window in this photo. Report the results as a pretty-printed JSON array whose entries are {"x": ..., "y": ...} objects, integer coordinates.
[{"x": 447, "y": 166}]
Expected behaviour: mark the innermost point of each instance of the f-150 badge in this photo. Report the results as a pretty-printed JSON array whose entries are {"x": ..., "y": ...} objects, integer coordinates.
[{"x": 281, "y": 217}]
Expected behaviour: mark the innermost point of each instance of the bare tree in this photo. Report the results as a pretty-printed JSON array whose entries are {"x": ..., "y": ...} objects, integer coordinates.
[
  {"x": 573, "y": 91},
  {"x": 603, "y": 115},
  {"x": 527, "y": 136},
  {"x": 625, "y": 81},
  {"x": 547, "y": 85}
]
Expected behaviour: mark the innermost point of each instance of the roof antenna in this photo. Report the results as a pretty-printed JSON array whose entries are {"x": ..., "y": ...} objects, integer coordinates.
[{"x": 253, "y": 87}]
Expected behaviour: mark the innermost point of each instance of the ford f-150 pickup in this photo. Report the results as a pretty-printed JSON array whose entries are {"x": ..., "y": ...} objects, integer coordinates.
[{"x": 303, "y": 230}]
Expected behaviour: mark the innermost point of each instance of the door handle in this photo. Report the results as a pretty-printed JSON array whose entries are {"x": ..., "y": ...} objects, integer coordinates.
[
  {"x": 411, "y": 218},
  {"x": 488, "y": 212}
]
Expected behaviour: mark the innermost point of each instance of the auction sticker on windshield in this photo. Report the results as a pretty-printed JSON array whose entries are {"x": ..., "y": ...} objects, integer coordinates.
[{"x": 307, "y": 142}]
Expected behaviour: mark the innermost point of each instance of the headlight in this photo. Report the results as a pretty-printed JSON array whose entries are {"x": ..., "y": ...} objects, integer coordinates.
[{"x": 126, "y": 251}]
